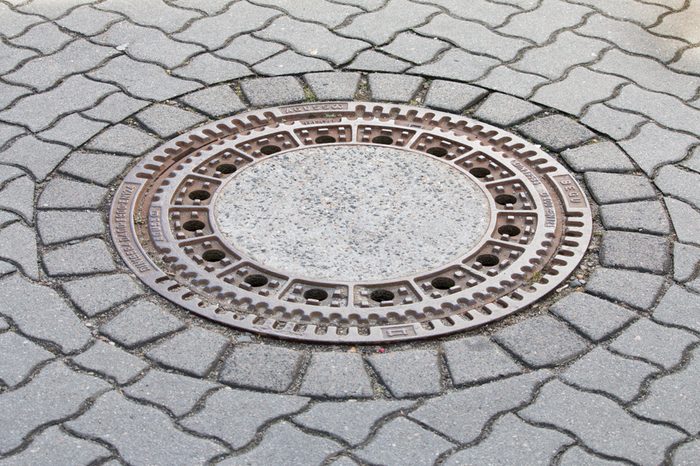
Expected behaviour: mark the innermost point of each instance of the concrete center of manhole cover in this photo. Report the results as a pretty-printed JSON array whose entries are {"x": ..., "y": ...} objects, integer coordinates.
[
  {"x": 352, "y": 212},
  {"x": 351, "y": 222}
]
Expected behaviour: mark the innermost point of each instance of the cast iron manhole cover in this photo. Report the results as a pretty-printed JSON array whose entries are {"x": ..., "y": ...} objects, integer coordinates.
[{"x": 351, "y": 222}]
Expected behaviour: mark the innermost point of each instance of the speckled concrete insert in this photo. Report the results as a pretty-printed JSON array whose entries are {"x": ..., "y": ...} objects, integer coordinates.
[{"x": 352, "y": 213}]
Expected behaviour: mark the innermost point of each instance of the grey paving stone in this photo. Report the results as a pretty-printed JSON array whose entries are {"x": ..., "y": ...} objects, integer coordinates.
[
  {"x": 577, "y": 456},
  {"x": 679, "y": 183},
  {"x": 215, "y": 101},
  {"x": 19, "y": 357},
  {"x": 636, "y": 251},
  {"x": 473, "y": 37},
  {"x": 614, "y": 123},
  {"x": 54, "y": 394},
  {"x": 655, "y": 146},
  {"x": 675, "y": 398},
  {"x": 680, "y": 24},
  {"x": 541, "y": 23},
  {"x": 240, "y": 17},
  {"x": 642, "y": 216},
  {"x": 194, "y": 351},
  {"x": 87, "y": 20},
  {"x": 101, "y": 169},
  {"x": 211, "y": 7},
  {"x": 541, "y": 341},
  {"x": 414, "y": 48},
  {"x": 451, "y": 96},
  {"x": 685, "y": 220},
  {"x": 411, "y": 444},
  {"x": 78, "y": 56},
  {"x": 54, "y": 446},
  {"x": 594, "y": 317},
  {"x": 636, "y": 289},
  {"x": 18, "y": 196},
  {"x": 9, "y": 94},
  {"x": 141, "y": 434},
  {"x": 600, "y": 156},
  {"x": 37, "y": 111},
  {"x": 289, "y": 62},
  {"x": 679, "y": 307},
  {"x": 37, "y": 156},
  {"x": 319, "y": 11},
  {"x": 235, "y": 416},
  {"x": 408, "y": 372},
  {"x": 211, "y": 69},
  {"x": 73, "y": 130},
  {"x": 688, "y": 61},
  {"x": 18, "y": 244},
  {"x": 392, "y": 87},
  {"x": 119, "y": 289},
  {"x": 83, "y": 258},
  {"x": 333, "y": 86},
  {"x": 610, "y": 188},
  {"x": 553, "y": 59},
  {"x": 693, "y": 161},
  {"x": 504, "y": 110},
  {"x": 556, "y": 132},
  {"x": 526, "y": 444},
  {"x": 249, "y": 49},
  {"x": 687, "y": 454},
  {"x": 603, "y": 371},
  {"x": 123, "y": 139},
  {"x": 4, "y": 324},
  {"x": 369, "y": 60},
  {"x": 58, "y": 226},
  {"x": 5, "y": 269},
  {"x": 272, "y": 91},
  {"x": 638, "y": 12},
  {"x": 378, "y": 27},
  {"x": 351, "y": 421},
  {"x": 686, "y": 260},
  {"x": 336, "y": 375},
  {"x": 8, "y": 132},
  {"x": 167, "y": 120},
  {"x": 31, "y": 307},
  {"x": 601, "y": 424},
  {"x": 462, "y": 415},
  {"x": 10, "y": 57},
  {"x": 143, "y": 80},
  {"x": 507, "y": 80},
  {"x": 155, "y": 13},
  {"x": 177, "y": 393},
  {"x": 140, "y": 323},
  {"x": 484, "y": 11},
  {"x": 653, "y": 342},
  {"x": 261, "y": 367},
  {"x": 13, "y": 23},
  {"x": 284, "y": 443},
  {"x": 50, "y": 9},
  {"x": 115, "y": 108},
  {"x": 458, "y": 65},
  {"x": 476, "y": 359},
  {"x": 110, "y": 361},
  {"x": 45, "y": 37}
]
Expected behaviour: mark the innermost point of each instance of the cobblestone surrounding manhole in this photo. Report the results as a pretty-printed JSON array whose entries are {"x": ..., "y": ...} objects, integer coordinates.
[{"x": 285, "y": 221}]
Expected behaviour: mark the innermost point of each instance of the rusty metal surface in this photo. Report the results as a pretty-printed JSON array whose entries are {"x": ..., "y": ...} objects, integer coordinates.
[{"x": 163, "y": 226}]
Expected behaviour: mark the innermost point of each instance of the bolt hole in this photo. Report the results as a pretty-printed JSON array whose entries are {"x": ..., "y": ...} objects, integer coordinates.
[
  {"x": 504, "y": 199},
  {"x": 256, "y": 280},
  {"x": 382, "y": 295},
  {"x": 269, "y": 150},
  {"x": 480, "y": 172},
  {"x": 316, "y": 293},
  {"x": 487, "y": 260},
  {"x": 213, "y": 255},
  {"x": 226, "y": 168},
  {"x": 383, "y": 140},
  {"x": 442, "y": 283},
  {"x": 325, "y": 139},
  {"x": 437, "y": 151},
  {"x": 199, "y": 195},
  {"x": 510, "y": 230},
  {"x": 193, "y": 225}
]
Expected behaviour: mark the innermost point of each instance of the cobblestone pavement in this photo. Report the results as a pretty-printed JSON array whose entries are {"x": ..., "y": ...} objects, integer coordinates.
[{"x": 95, "y": 369}]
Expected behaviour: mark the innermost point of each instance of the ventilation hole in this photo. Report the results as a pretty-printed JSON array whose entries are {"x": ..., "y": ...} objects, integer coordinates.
[
  {"x": 487, "y": 260},
  {"x": 256, "y": 280},
  {"x": 382, "y": 295},
  {"x": 442, "y": 283},
  {"x": 213, "y": 255},
  {"x": 269, "y": 150},
  {"x": 383, "y": 140},
  {"x": 437, "y": 151},
  {"x": 316, "y": 293},
  {"x": 193, "y": 225},
  {"x": 325, "y": 139},
  {"x": 504, "y": 199},
  {"x": 510, "y": 230},
  {"x": 480, "y": 172},
  {"x": 226, "y": 168},
  {"x": 199, "y": 195}
]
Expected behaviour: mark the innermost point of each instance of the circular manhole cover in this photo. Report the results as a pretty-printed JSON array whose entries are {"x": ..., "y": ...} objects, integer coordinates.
[{"x": 351, "y": 222}]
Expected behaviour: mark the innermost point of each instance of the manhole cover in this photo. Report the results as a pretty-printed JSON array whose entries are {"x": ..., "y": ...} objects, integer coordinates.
[{"x": 351, "y": 222}]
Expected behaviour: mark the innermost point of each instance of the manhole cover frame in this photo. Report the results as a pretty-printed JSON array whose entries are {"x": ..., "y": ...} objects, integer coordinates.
[{"x": 147, "y": 227}]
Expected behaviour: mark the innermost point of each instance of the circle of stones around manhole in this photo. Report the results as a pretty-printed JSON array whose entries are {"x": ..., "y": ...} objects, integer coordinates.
[{"x": 163, "y": 225}]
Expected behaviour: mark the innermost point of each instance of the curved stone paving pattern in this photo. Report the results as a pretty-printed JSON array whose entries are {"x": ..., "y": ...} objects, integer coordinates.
[{"x": 95, "y": 369}]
